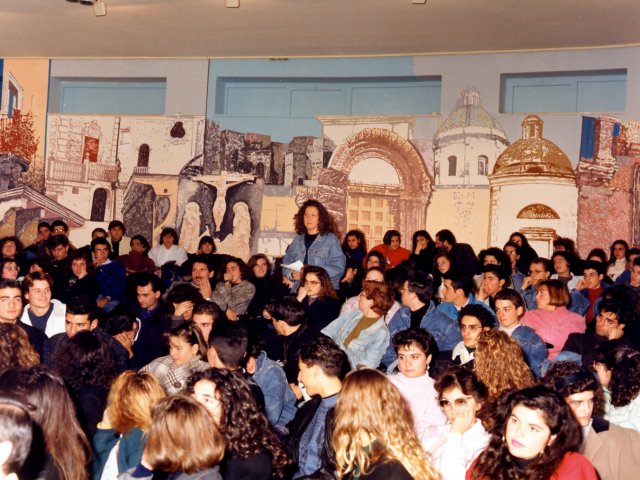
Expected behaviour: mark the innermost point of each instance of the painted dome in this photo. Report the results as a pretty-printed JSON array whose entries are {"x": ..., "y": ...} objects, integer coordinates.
[
  {"x": 468, "y": 114},
  {"x": 533, "y": 155}
]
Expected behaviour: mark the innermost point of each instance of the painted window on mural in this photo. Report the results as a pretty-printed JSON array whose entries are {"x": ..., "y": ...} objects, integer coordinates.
[
  {"x": 482, "y": 165},
  {"x": 143, "y": 155},
  {"x": 537, "y": 211},
  {"x": 453, "y": 163}
]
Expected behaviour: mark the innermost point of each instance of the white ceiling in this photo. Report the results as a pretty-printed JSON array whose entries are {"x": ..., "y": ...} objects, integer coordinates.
[{"x": 289, "y": 28}]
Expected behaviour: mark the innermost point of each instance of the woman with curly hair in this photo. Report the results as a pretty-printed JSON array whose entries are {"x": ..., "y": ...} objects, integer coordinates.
[
  {"x": 253, "y": 450},
  {"x": 317, "y": 296},
  {"x": 183, "y": 443},
  {"x": 499, "y": 363},
  {"x": 187, "y": 355},
  {"x": 373, "y": 435},
  {"x": 87, "y": 366},
  {"x": 535, "y": 437},
  {"x": 121, "y": 435},
  {"x": 15, "y": 349},
  {"x": 66, "y": 447},
  {"x": 617, "y": 263},
  {"x": 618, "y": 369},
  {"x": 315, "y": 244}
]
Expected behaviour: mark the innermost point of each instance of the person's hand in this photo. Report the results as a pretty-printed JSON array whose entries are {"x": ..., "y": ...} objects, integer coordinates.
[
  {"x": 616, "y": 332},
  {"x": 296, "y": 390},
  {"x": 349, "y": 275},
  {"x": 482, "y": 293},
  {"x": 463, "y": 421},
  {"x": 527, "y": 282},
  {"x": 287, "y": 282},
  {"x": 418, "y": 248},
  {"x": 302, "y": 292},
  {"x": 204, "y": 285},
  {"x": 231, "y": 314},
  {"x": 126, "y": 340},
  {"x": 266, "y": 315},
  {"x": 183, "y": 309},
  {"x": 101, "y": 302},
  {"x": 581, "y": 285},
  {"x": 296, "y": 275}
]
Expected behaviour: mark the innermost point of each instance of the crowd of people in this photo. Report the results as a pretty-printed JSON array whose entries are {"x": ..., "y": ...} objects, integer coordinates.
[{"x": 337, "y": 361}]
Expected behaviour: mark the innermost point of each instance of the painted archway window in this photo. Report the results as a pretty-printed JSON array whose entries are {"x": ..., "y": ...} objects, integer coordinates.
[
  {"x": 483, "y": 161},
  {"x": 143, "y": 155},
  {"x": 538, "y": 211},
  {"x": 453, "y": 165}
]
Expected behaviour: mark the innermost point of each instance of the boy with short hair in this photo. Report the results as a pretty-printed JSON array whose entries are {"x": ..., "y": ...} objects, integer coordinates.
[
  {"x": 473, "y": 320},
  {"x": 414, "y": 348},
  {"x": 509, "y": 311}
]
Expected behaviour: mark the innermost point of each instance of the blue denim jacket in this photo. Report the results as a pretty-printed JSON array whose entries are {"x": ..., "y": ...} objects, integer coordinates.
[
  {"x": 324, "y": 252},
  {"x": 370, "y": 345},
  {"x": 445, "y": 331},
  {"x": 534, "y": 349},
  {"x": 450, "y": 310},
  {"x": 279, "y": 399}
]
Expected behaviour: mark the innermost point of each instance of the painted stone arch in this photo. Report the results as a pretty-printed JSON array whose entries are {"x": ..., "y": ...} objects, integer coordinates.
[
  {"x": 410, "y": 198},
  {"x": 538, "y": 211}
]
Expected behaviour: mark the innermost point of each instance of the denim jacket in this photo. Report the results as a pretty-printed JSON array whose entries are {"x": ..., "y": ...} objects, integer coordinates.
[
  {"x": 534, "y": 349},
  {"x": 279, "y": 399},
  {"x": 444, "y": 331},
  {"x": 324, "y": 252},
  {"x": 450, "y": 310},
  {"x": 370, "y": 345}
]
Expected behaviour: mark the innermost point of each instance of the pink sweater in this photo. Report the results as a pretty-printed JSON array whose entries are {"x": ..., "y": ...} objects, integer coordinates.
[
  {"x": 554, "y": 327},
  {"x": 422, "y": 399}
]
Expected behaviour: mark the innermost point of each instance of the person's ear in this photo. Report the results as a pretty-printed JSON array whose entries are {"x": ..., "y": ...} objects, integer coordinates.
[
  {"x": 93, "y": 324},
  {"x": 429, "y": 357},
  {"x": 520, "y": 311},
  {"x": 6, "y": 447},
  {"x": 551, "y": 440},
  {"x": 195, "y": 349}
]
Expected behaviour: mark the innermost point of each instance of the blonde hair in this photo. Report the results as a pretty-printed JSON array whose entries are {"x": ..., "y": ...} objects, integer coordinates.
[
  {"x": 183, "y": 437},
  {"x": 371, "y": 408},
  {"x": 499, "y": 363},
  {"x": 131, "y": 398}
]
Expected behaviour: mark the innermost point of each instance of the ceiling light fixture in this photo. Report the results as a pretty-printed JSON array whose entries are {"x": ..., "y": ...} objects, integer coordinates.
[
  {"x": 232, "y": 3},
  {"x": 419, "y": 2}
]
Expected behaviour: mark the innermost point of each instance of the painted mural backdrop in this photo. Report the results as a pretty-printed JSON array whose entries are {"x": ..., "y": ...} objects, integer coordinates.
[{"x": 243, "y": 189}]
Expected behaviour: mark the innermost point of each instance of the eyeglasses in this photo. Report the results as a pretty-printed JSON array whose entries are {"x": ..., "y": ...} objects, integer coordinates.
[
  {"x": 471, "y": 328},
  {"x": 458, "y": 402}
]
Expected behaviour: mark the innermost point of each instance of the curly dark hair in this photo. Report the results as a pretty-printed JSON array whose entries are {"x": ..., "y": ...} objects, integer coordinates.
[
  {"x": 244, "y": 427},
  {"x": 362, "y": 241},
  {"x": 497, "y": 463},
  {"x": 624, "y": 363},
  {"x": 326, "y": 223},
  {"x": 569, "y": 378},
  {"x": 86, "y": 360}
]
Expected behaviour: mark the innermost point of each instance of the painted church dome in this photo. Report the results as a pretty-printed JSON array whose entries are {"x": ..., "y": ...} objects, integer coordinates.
[
  {"x": 468, "y": 114},
  {"x": 533, "y": 155}
]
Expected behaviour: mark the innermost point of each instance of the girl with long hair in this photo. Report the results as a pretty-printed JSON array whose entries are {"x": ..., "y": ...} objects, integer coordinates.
[
  {"x": 354, "y": 246},
  {"x": 390, "y": 247},
  {"x": 252, "y": 449},
  {"x": 66, "y": 448},
  {"x": 124, "y": 425},
  {"x": 15, "y": 349},
  {"x": 617, "y": 263},
  {"x": 423, "y": 249},
  {"x": 527, "y": 253},
  {"x": 187, "y": 355},
  {"x": 183, "y": 443},
  {"x": 267, "y": 287},
  {"x": 316, "y": 244},
  {"x": 317, "y": 296},
  {"x": 373, "y": 433},
  {"x": 535, "y": 437}
]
